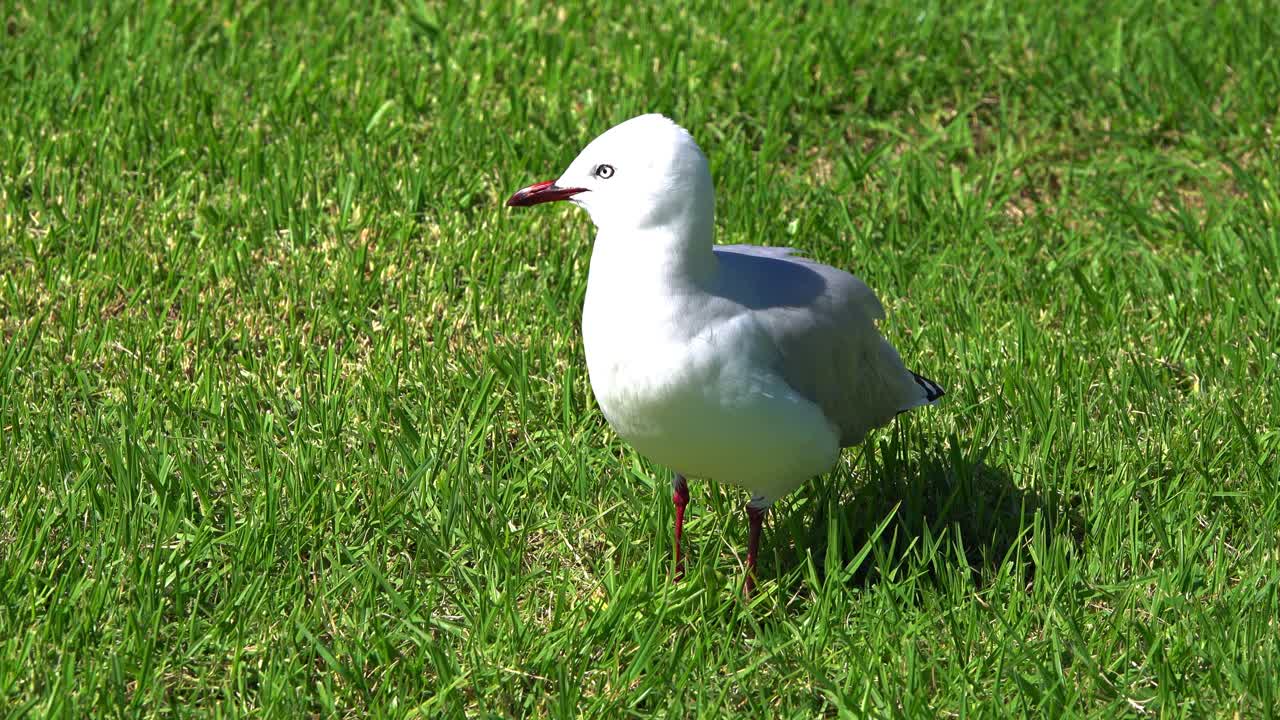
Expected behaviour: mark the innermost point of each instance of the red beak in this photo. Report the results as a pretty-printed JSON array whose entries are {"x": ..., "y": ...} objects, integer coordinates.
[{"x": 545, "y": 191}]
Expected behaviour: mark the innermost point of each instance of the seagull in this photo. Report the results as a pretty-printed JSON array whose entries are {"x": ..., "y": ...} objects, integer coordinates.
[{"x": 746, "y": 364}]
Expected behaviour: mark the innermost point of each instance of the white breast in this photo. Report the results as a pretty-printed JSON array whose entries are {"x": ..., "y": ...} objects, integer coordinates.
[{"x": 690, "y": 384}]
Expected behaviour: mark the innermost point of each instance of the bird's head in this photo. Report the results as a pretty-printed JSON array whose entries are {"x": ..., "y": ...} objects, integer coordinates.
[{"x": 646, "y": 172}]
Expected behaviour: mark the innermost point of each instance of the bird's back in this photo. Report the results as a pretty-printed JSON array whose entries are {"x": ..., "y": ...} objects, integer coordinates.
[{"x": 822, "y": 324}]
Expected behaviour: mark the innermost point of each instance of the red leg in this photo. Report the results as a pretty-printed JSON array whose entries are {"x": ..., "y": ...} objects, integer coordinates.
[
  {"x": 756, "y": 517},
  {"x": 679, "y": 498}
]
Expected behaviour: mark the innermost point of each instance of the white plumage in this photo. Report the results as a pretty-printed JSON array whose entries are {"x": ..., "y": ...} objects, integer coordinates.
[{"x": 742, "y": 363}]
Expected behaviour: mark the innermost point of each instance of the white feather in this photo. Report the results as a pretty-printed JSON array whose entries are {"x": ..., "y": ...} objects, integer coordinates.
[{"x": 741, "y": 363}]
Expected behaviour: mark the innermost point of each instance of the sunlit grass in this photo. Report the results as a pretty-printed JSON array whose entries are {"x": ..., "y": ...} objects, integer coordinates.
[{"x": 294, "y": 418}]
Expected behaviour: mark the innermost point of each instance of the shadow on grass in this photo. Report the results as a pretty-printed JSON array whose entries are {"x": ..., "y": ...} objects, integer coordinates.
[{"x": 945, "y": 500}]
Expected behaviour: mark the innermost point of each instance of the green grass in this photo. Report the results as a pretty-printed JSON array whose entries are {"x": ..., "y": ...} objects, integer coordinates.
[{"x": 294, "y": 418}]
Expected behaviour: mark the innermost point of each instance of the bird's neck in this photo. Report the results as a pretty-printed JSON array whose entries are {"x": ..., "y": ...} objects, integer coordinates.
[
  {"x": 664, "y": 258},
  {"x": 643, "y": 287}
]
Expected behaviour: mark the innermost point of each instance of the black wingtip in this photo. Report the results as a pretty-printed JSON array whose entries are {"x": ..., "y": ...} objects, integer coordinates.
[{"x": 932, "y": 390}]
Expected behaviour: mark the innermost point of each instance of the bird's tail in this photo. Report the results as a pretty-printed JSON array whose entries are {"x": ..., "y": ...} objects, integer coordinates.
[{"x": 932, "y": 390}]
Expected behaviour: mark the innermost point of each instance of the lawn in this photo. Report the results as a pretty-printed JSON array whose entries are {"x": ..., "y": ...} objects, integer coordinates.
[{"x": 294, "y": 418}]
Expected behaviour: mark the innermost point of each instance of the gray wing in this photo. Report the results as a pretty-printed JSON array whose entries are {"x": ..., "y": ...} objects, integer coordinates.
[{"x": 822, "y": 322}]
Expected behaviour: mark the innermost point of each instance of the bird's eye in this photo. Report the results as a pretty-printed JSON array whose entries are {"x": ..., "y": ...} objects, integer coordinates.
[{"x": 604, "y": 172}]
